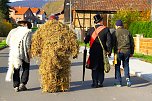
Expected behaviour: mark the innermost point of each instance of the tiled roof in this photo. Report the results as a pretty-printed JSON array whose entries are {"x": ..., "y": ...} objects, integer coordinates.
[
  {"x": 34, "y": 10},
  {"x": 111, "y": 5},
  {"x": 21, "y": 10}
]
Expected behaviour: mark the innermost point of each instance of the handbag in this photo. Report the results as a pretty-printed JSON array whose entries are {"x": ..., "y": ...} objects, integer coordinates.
[{"x": 107, "y": 66}]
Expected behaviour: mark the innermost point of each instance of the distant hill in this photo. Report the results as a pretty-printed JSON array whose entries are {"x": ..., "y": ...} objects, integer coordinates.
[{"x": 30, "y": 3}]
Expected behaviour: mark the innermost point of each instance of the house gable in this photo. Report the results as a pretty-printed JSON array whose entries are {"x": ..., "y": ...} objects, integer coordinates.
[
  {"x": 35, "y": 11},
  {"x": 21, "y": 10},
  {"x": 21, "y": 13}
]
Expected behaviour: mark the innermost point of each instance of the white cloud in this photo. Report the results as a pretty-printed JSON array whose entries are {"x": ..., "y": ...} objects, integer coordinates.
[{"x": 15, "y": 0}]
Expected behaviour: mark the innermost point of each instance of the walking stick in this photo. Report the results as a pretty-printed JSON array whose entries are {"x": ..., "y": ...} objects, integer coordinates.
[{"x": 84, "y": 62}]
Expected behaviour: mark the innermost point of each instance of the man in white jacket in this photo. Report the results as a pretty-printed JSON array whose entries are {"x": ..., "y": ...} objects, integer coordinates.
[{"x": 19, "y": 40}]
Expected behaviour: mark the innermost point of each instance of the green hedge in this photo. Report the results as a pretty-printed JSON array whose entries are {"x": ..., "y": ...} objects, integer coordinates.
[
  {"x": 141, "y": 27},
  {"x": 2, "y": 44},
  {"x": 5, "y": 28},
  {"x": 34, "y": 29}
]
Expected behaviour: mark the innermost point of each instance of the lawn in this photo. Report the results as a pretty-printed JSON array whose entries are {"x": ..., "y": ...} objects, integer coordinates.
[
  {"x": 146, "y": 58},
  {"x": 3, "y": 44},
  {"x": 34, "y": 29},
  {"x": 83, "y": 44}
]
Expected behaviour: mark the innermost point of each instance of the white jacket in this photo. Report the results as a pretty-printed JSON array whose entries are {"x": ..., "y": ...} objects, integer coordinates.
[{"x": 18, "y": 41}]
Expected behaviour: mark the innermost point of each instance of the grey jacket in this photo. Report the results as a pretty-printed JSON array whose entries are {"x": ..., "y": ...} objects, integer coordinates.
[
  {"x": 25, "y": 45},
  {"x": 123, "y": 41}
]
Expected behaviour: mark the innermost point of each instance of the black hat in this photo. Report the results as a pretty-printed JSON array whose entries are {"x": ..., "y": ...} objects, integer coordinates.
[{"x": 97, "y": 18}]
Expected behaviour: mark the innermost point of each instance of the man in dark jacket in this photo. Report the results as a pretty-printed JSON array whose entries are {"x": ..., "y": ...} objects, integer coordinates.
[
  {"x": 96, "y": 51},
  {"x": 124, "y": 49}
]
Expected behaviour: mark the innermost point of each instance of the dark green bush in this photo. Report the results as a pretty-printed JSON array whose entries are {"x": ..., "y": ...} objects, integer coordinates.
[
  {"x": 5, "y": 27},
  {"x": 141, "y": 27}
]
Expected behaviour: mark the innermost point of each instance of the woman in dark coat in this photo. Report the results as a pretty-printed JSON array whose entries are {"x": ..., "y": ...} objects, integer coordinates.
[{"x": 96, "y": 51}]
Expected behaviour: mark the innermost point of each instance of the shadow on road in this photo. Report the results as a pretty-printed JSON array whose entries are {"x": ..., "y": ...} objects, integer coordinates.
[
  {"x": 109, "y": 82},
  {"x": 4, "y": 69},
  {"x": 77, "y": 64},
  {"x": 33, "y": 89},
  {"x": 75, "y": 86},
  {"x": 4, "y": 55},
  {"x": 32, "y": 67},
  {"x": 142, "y": 83}
]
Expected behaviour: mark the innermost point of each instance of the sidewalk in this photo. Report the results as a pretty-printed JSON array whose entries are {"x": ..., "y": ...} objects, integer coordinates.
[{"x": 137, "y": 67}]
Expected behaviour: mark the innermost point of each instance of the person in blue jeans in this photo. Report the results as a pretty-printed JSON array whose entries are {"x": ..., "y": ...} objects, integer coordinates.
[{"x": 123, "y": 44}]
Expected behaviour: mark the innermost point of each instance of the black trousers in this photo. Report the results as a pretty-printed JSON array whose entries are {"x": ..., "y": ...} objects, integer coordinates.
[
  {"x": 98, "y": 75},
  {"x": 24, "y": 77}
]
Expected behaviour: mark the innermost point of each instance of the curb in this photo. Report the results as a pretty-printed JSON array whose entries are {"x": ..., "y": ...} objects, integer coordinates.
[{"x": 3, "y": 47}]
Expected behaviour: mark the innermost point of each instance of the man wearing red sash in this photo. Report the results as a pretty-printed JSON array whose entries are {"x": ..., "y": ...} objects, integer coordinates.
[{"x": 96, "y": 52}]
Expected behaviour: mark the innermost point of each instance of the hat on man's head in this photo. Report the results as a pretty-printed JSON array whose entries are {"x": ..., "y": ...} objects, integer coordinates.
[
  {"x": 97, "y": 18},
  {"x": 119, "y": 23}
]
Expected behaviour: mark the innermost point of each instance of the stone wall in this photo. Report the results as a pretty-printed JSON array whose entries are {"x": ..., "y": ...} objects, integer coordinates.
[{"x": 143, "y": 45}]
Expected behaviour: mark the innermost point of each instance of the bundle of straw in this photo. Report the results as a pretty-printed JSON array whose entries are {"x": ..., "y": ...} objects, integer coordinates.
[{"x": 54, "y": 43}]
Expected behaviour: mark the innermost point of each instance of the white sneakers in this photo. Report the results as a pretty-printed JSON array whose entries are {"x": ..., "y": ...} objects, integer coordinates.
[
  {"x": 128, "y": 82},
  {"x": 16, "y": 89},
  {"x": 22, "y": 87}
]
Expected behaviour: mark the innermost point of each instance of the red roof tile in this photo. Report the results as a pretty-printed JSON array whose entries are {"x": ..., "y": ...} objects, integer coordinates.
[
  {"x": 21, "y": 10},
  {"x": 34, "y": 10},
  {"x": 111, "y": 5}
]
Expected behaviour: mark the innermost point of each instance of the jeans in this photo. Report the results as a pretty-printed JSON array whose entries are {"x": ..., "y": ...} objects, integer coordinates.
[
  {"x": 124, "y": 57},
  {"x": 24, "y": 77}
]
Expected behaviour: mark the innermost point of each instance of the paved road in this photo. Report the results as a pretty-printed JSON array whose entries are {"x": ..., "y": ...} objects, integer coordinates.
[{"x": 141, "y": 90}]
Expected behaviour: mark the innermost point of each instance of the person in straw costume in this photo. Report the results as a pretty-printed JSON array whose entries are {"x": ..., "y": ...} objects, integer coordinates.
[{"x": 54, "y": 43}]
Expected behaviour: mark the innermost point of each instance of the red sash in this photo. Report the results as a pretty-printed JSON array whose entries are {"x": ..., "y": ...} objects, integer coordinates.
[{"x": 93, "y": 37}]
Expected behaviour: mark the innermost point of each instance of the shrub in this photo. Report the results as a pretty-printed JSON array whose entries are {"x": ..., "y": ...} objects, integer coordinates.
[
  {"x": 141, "y": 27},
  {"x": 5, "y": 27},
  {"x": 127, "y": 16}
]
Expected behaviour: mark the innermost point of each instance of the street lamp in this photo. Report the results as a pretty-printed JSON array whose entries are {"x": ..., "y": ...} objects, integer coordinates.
[{"x": 70, "y": 4}]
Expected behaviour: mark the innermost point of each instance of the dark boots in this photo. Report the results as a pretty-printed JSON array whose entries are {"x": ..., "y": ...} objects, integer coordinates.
[{"x": 95, "y": 84}]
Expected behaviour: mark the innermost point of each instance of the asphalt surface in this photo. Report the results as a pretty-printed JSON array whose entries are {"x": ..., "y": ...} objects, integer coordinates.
[{"x": 141, "y": 90}]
